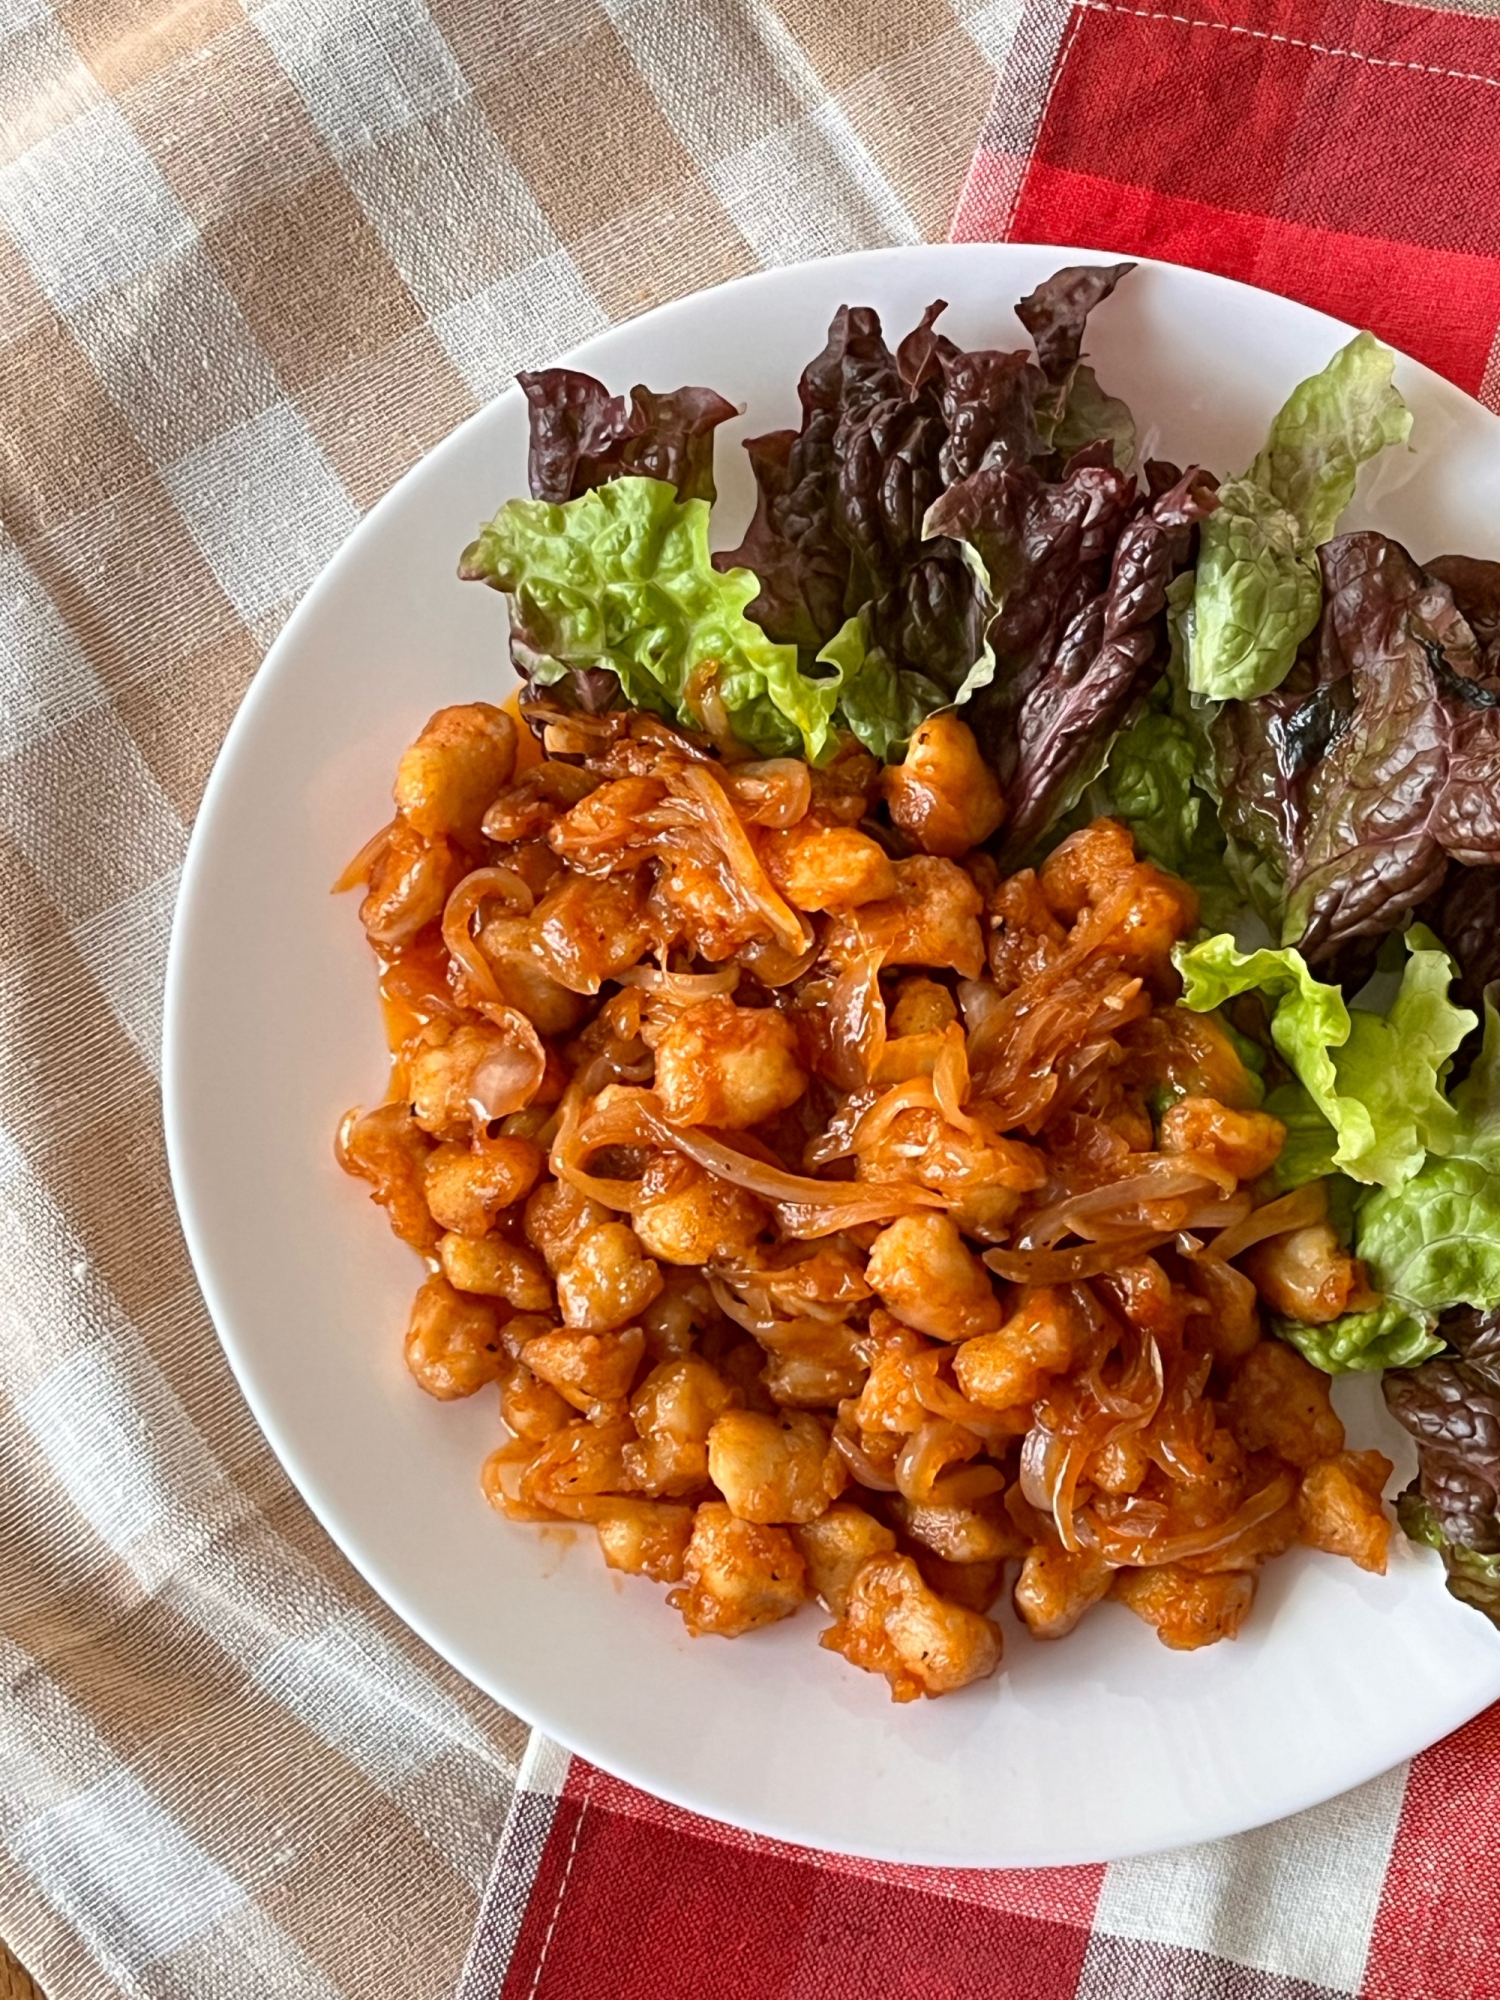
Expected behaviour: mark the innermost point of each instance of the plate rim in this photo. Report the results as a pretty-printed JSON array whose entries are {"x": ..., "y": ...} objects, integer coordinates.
[{"x": 304, "y": 1476}]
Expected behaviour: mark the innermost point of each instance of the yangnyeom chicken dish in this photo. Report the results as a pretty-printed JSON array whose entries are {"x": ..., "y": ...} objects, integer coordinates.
[{"x": 839, "y": 1126}]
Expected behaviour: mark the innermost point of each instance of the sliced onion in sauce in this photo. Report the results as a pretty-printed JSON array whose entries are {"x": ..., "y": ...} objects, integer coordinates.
[
  {"x": 635, "y": 1117},
  {"x": 979, "y": 1000},
  {"x": 1068, "y": 1464},
  {"x": 1182, "y": 1455},
  {"x": 621, "y": 1062},
  {"x": 1222, "y": 1213},
  {"x": 1151, "y": 1551},
  {"x": 1040, "y": 1451},
  {"x": 837, "y": 1139},
  {"x": 930, "y": 1451},
  {"x": 950, "y": 1079},
  {"x": 746, "y": 873},
  {"x": 855, "y": 1019},
  {"x": 769, "y": 1182},
  {"x": 1117, "y": 1203},
  {"x": 1132, "y": 1513},
  {"x": 776, "y": 792},
  {"x": 460, "y": 910},
  {"x": 776, "y": 967},
  {"x": 865, "y": 1470},
  {"x": 569, "y": 1148},
  {"x": 1134, "y": 1400},
  {"x": 818, "y": 1336},
  {"x": 363, "y": 866},
  {"x": 508, "y": 1078},
  {"x": 805, "y": 1222},
  {"x": 943, "y": 1400},
  {"x": 683, "y": 987},
  {"x": 1228, "y": 1292},
  {"x": 916, "y": 1094},
  {"x": 501, "y": 1476},
  {"x": 1062, "y": 1267},
  {"x": 1051, "y": 1465},
  {"x": 1304, "y": 1205},
  {"x": 704, "y": 702}
]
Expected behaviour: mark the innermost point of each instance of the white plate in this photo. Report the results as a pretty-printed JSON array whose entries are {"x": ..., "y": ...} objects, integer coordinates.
[{"x": 1102, "y": 1746}]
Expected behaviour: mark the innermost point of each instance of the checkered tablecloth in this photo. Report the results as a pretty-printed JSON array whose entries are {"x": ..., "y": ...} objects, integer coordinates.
[{"x": 254, "y": 260}]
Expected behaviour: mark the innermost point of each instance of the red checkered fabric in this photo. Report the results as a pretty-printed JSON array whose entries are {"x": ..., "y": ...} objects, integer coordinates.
[
  {"x": 1345, "y": 153},
  {"x": 601, "y": 1893}
]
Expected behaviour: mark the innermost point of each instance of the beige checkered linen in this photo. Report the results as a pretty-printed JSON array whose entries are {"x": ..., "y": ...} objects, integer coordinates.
[{"x": 254, "y": 260}]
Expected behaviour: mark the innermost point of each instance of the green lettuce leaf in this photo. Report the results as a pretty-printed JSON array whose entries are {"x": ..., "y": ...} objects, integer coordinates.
[
  {"x": 1376, "y": 1078},
  {"x": 1395, "y": 1064},
  {"x": 1257, "y": 595},
  {"x": 1149, "y": 783},
  {"x": 1090, "y": 413},
  {"x": 1326, "y": 430},
  {"x": 1180, "y": 593},
  {"x": 1472, "y": 1578},
  {"x": 1477, "y": 1098},
  {"x": 620, "y": 580},
  {"x": 880, "y": 702},
  {"x": 1390, "y": 1335},
  {"x": 1308, "y": 1020},
  {"x": 1311, "y": 1141},
  {"x": 1434, "y": 1242},
  {"x": 1258, "y": 592}
]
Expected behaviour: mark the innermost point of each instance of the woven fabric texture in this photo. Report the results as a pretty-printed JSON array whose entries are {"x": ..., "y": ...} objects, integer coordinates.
[
  {"x": 1388, "y": 1893},
  {"x": 254, "y": 261},
  {"x": 1342, "y": 154}
]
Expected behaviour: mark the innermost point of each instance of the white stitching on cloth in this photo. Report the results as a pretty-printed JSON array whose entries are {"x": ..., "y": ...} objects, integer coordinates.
[
  {"x": 1289, "y": 41},
  {"x": 583, "y": 1808}
]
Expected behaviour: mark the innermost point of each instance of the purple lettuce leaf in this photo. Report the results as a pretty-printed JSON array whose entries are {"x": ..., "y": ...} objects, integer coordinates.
[
  {"x": 1466, "y": 816},
  {"x": 1451, "y": 1410},
  {"x": 1262, "y": 753},
  {"x": 1347, "y": 791},
  {"x": 921, "y": 355},
  {"x": 1475, "y": 584},
  {"x": 934, "y": 621},
  {"x": 854, "y": 371},
  {"x": 989, "y": 405},
  {"x": 581, "y": 436},
  {"x": 840, "y": 520},
  {"x": 800, "y": 563},
  {"x": 1473, "y": 1577},
  {"x": 1044, "y": 548},
  {"x": 840, "y": 524},
  {"x": 1465, "y": 914},
  {"x": 1470, "y": 808},
  {"x": 793, "y": 544},
  {"x": 1056, "y": 313},
  {"x": 1108, "y": 658},
  {"x": 1475, "y": 1332},
  {"x": 885, "y": 479}
]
